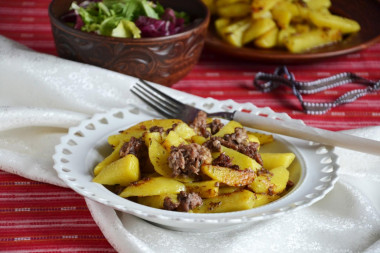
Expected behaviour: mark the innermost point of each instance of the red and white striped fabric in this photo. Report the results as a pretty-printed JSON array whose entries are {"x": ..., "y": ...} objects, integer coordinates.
[{"x": 37, "y": 217}]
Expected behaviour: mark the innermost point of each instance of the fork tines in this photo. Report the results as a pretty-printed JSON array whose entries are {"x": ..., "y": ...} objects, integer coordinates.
[{"x": 158, "y": 100}]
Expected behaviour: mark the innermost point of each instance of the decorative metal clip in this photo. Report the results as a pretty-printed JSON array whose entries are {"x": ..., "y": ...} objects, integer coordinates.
[{"x": 281, "y": 76}]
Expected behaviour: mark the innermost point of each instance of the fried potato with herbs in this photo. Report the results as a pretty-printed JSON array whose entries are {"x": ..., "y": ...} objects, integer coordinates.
[
  {"x": 296, "y": 25},
  {"x": 202, "y": 167}
]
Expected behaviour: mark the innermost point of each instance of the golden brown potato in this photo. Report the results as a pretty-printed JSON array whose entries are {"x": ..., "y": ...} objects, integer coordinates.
[
  {"x": 274, "y": 160},
  {"x": 120, "y": 172},
  {"x": 156, "y": 201},
  {"x": 184, "y": 131},
  {"x": 153, "y": 186},
  {"x": 243, "y": 161},
  {"x": 257, "y": 28},
  {"x": 109, "y": 159},
  {"x": 198, "y": 139},
  {"x": 260, "y": 137},
  {"x": 229, "y": 176},
  {"x": 299, "y": 43},
  {"x": 228, "y": 189},
  {"x": 235, "y": 10},
  {"x": 318, "y": 4},
  {"x": 284, "y": 34},
  {"x": 324, "y": 20},
  {"x": 220, "y": 24},
  {"x": 229, "y": 128},
  {"x": 261, "y": 8},
  {"x": 173, "y": 140},
  {"x": 233, "y": 33},
  {"x": 205, "y": 189},
  {"x": 148, "y": 137},
  {"x": 283, "y": 12},
  {"x": 268, "y": 39},
  {"x": 229, "y": 202},
  {"x": 272, "y": 183},
  {"x": 262, "y": 199},
  {"x": 146, "y": 125},
  {"x": 115, "y": 139},
  {"x": 220, "y": 3},
  {"x": 158, "y": 156}
]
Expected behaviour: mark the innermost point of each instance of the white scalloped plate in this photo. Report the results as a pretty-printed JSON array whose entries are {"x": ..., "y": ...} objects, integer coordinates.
[{"x": 314, "y": 169}]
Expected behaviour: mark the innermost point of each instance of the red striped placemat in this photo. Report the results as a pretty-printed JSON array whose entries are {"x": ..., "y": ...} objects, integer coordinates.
[{"x": 38, "y": 217}]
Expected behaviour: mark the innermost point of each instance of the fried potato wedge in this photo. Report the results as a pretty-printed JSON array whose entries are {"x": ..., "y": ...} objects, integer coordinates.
[
  {"x": 274, "y": 160},
  {"x": 229, "y": 202},
  {"x": 299, "y": 43},
  {"x": 233, "y": 33},
  {"x": 120, "y": 172},
  {"x": 125, "y": 136},
  {"x": 268, "y": 39},
  {"x": 146, "y": 125},
  {"x": 158, "y": 156},
  {"x": 109, "y": 159},
  {"x": 243, "y": 161},
  {"x": 157, "y": 201},
  {"x": 257, "y": 28},
  {"x": 229, "y": 176},
  {"x": 229, "y": 128},
  {"x": 173, "y": 140},
  {"x": 324, "y": 20},
  {"x": 205, "y": 189},
  {"x": 153, "y": 186},
  {"x": 261, "y": 137},
  {"x": 272, "y": 183}
]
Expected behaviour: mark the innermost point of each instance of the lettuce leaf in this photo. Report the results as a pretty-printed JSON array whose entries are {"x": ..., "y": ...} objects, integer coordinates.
[{"x": 125, "y": 18}]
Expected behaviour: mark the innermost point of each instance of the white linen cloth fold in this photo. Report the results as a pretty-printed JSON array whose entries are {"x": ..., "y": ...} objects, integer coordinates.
[{"x": 42, "y": 95}]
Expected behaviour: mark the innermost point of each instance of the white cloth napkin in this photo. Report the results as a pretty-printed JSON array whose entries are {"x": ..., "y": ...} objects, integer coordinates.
[{"x": 42, "y": 95}]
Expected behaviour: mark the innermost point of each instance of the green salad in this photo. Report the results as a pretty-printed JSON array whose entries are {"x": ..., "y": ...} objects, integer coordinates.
[{"x": 125, "y": 18}]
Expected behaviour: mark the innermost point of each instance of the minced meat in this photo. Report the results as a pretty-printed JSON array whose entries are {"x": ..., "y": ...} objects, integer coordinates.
[
  {"x": 238, "y": 137},
  {"x": 169, "y": 204},
  {"x": 188, "y": 159},
  {"x": 156, "y": 129},
  {"x": 200, "y": 120},
  {"x": 250, "y": 149},
  {"x": 214, "y": 144},
  {"x": 199, "y": 124},
  {"x": 172, "y": 128},
  {"x": 186, "y": 202},
  {"x": 224, "y": 160},
  {"x": 137, "y": 147},
  {"x": 237, "y": 141},
  {"x": 215, "y": 126},
  {"x": 134, "y": 146}
]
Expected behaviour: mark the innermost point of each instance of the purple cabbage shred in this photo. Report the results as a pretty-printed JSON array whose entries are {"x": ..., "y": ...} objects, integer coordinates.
[
  {"x": 168, "y": 25},
  {"x": 74, "y": 18},
  {"x": 79, "y": 22}
]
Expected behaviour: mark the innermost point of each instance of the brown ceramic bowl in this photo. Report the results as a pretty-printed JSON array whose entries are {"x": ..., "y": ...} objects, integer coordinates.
[
  {"x": 163, "y": 60},
  {"x": 366, "y": 12}
]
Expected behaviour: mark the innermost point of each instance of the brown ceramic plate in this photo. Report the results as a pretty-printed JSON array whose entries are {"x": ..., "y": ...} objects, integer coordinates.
[{"x": 366, "y": 12}]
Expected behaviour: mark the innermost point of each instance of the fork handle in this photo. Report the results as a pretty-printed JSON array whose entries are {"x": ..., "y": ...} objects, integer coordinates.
[{"x": 308, "y": 133}]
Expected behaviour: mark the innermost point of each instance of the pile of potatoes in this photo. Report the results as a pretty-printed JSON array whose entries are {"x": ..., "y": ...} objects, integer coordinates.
[
  {"x": 297, "y": 25},
  {"x": 222, "y": 189}
]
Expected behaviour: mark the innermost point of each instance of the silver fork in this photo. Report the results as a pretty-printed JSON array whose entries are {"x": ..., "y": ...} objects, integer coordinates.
[{"x": 171, "y": 108}]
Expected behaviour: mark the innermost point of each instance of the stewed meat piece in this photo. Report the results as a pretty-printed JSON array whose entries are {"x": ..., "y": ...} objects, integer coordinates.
[{"x": 187, "y": 159}]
